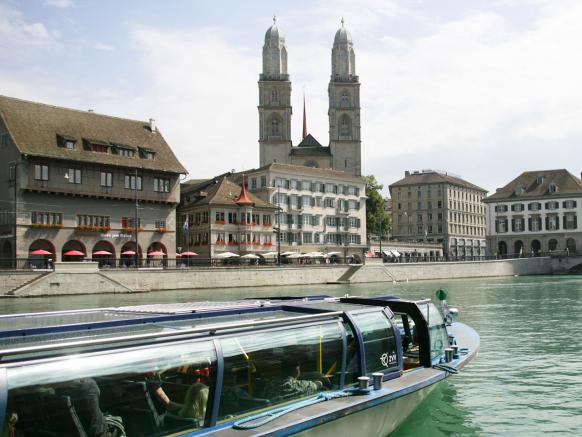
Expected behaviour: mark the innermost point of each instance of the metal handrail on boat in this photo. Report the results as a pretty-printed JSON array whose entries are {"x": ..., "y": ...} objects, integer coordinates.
[{"x": 158, "y": 335}]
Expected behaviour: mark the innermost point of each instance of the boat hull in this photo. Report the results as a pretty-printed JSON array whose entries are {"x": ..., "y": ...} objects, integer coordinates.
[{"x": 378, "y": 421}]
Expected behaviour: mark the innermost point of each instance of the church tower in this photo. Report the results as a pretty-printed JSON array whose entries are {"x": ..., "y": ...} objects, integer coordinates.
[
  {"x": 344, "y": 105},
  {"x": 274, "y": 100}
]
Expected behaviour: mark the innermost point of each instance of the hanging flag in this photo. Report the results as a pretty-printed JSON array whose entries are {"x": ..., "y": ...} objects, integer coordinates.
[
  {"x": 304, "y": 118},
  {"x": 185, "y": 225}
]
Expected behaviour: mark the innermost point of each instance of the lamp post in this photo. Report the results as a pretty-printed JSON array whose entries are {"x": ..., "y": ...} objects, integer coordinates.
[
  {"x": 381, "y": 234},
  {"x": 278, "y": 230},
  {"x": 135, "y": 224}
]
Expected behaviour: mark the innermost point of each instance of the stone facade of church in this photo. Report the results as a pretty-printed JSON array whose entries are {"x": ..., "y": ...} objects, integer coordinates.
[{"x": 344, "y": 150}]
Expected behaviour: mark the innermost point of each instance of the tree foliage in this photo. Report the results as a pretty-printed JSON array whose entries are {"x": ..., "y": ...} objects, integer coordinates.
[{"x": 377, "y": 221}]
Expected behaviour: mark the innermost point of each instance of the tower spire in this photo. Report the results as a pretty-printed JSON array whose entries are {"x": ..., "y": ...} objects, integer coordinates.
[{"x": 304, "y": 118}]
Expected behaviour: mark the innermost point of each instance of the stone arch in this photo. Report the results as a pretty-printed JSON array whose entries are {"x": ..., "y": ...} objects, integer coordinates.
[
  {"x": 157, "y": 260},
  {"x": 344, "y": 100},
  {"x": 502, "y": 249},
  {"x": 518, "y": 248},
  {"x": 274, "y": 126},
  {"x": 536, "y": 247},
  {"x": 311, "y": 163},
  {"x": 104, "y": 259},
  {"x": 41, "y": 261},
  {"x": 126, "y": 258},
  {"x": 571, "y": 245},
  {"x": 274, "y": 97},
  {"x": 73, "y": 245},
  {"x": 552, "y": 244},
  {"x": 345, "y": 127}
]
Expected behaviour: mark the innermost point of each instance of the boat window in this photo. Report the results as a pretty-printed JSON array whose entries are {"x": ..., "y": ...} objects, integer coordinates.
[
  {"x": 439, "y": 338},
  {"x": 270, "y": 367},
  {"x": 410, "y": 344},
  {"x": 144, "y": 391},
  {"x": 379, "y": 341},
  {"x": 353, "y": 357}
]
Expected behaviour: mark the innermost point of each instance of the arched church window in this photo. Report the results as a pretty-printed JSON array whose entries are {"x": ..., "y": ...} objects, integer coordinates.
[
  {"x": 275, "y": 96},
  {"x": 344, "y": 100},
  {"x": 345, "y": 127},
  {"x": 275, "y": 127}
]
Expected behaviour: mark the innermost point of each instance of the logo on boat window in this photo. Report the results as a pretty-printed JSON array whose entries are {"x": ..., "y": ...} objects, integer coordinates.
[{"x": 388, "y": 360}]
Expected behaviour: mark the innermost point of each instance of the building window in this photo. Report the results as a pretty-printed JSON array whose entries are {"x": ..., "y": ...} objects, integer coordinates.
[
  {"x": 552, "y": 205},
  {"x": 552, "y": 223},
  {"x": 329, "y": 202},
  {"x": 263, "y": 181},
  {"x": 160, "y": 224},
  {"x": 50, "y": 219},
  {"x": 99, "y": 148},
  {"x": 534, "y": 206},
  {"x": 254, "y": 183},
  {"x": 126, "y": 152},
  {"x": 162, "y": 185},
  {"x": 517, "y": 207},
  {"x": 274, "y": 96},
  {"x": 129, "y": 223},
  {"x": 344, "y": 100},
  {"x": 440, "y": 204},
  {"x": 74, "y": 175},
  {"x": 275, "y": 128},
  {"x": 106, "y": 179},
  {"x": 41, "y": 172},
  {"x": 345, "y": 128},
  {"x": 96, "y": 222},
  {"x": 570, "y": 221},
  {"x": 553, "y": 188},
  {"x": 132, "y": 182},
  {"x": 517, "y": 225},
  {"x": 501, "y": 226},
  {"x": 569, "y": 204}
]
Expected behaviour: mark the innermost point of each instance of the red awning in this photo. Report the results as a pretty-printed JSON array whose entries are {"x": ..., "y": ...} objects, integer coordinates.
[
  {"x": 156, "y": 253},
  {"x": 189, "y": 253},
  {"x": 73, "y": 253},
  {"x": 102, "y": 252},
  {"x": 40, "y": 252},
  {"x": 178, "y": 255},
  {"x": 128, "y": 252}
]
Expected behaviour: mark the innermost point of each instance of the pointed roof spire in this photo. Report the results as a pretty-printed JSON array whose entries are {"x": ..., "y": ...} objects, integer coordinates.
[
  {"x": 243, "y": 199},
  {"x": 343, "y": 21},
  {"x": 304, "y": 117},
  {"x": 274, "y": 18}
]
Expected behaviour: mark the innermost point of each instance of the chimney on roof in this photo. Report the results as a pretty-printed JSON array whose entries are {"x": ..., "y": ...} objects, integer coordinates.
[
  {"x": 406, "y": 173},
  {"x": 152, "y": 125}
]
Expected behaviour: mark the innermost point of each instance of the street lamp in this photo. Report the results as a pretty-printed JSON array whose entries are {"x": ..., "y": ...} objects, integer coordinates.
[{"x": 278, "y": 231}]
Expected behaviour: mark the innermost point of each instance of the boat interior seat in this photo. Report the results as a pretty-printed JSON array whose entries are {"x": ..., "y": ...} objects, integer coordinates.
[
  {"x": 43, "y": 413},
  {"x": 132, "y": 401}
]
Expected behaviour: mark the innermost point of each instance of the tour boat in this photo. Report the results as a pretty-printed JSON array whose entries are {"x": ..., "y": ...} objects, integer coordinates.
[{"x": 278, "y": 366}]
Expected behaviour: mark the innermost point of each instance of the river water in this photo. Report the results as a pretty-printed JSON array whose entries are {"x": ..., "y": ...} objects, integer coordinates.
[{"x": 526, "y": 381}]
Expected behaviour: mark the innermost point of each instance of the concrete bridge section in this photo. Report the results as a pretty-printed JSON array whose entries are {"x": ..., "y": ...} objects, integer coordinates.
[{"x": 86, "y": 278}]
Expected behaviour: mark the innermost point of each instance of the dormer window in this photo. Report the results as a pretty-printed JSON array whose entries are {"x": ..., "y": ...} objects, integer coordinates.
[
  {"x": 519, "y": 190},
  {"x": 97, "y": 146},
  {"x": 540, "y": 180},
  {"x": 553, "y": 188},
  {"x": 146, "y": 153},
  {"x": 66, "y": 141}
]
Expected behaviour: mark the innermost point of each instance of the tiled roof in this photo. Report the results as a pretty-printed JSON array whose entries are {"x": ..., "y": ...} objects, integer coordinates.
[
  {"x": 535, "y": 184},
  {"x": 35, "y": 128},
  {"x": 308, "y": 171},
  {"x": 222, "y": 191},
  {"x": 434, "y": 177}
]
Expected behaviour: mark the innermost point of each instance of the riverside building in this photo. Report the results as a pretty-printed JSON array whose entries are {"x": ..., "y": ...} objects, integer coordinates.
[
  {"x": 319, "y": 210},
  {"x": 218, "y": 216},
  {"x": 76, "y": 184},
  {"x": 433, "y": 206},
  {"x": 536, "y": 212}
]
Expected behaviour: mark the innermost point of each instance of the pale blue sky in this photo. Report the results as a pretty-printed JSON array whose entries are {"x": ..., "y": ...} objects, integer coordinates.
[{"x": 482, "y": 89}]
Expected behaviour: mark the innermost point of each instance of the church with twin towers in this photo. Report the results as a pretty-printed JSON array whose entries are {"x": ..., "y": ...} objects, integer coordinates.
[{"x": 343, "y": 152}]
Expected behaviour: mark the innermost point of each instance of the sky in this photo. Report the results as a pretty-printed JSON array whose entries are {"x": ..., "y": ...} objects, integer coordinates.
[{"x": 483, "y": 90}]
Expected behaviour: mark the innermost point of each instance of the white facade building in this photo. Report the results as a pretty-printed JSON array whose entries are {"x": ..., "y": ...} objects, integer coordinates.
[{"x": 538, "y": 212}]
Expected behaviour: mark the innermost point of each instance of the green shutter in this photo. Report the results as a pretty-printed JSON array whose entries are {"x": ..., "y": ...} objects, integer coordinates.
[
  {"x": 564, "y": 222},
  {"x": 575, "y": 221},
  {"x": 513, "y": 225},
  {"x": 547, "y": 222},
  {"x": 529, "y": 224},
  {"x": 497, "y": 226}
]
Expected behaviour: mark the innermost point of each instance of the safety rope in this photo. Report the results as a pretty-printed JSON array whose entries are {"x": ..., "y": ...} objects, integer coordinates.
[{"x": 261, "y": 419}]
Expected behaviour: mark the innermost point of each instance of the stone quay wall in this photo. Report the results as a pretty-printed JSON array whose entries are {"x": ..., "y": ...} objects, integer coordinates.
[{"x": 76, "y": 280}]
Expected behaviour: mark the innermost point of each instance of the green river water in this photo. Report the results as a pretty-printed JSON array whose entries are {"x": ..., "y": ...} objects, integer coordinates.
[{"x": 526, "y": 380}]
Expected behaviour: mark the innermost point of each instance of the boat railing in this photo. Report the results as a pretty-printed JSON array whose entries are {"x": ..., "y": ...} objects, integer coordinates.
[{"x": 169, "y": 335}]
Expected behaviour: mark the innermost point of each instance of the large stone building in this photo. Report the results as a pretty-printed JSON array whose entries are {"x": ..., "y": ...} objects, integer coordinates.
[
  {"x": 536, "y": 212},
  {"x": 76, "y": 184},
  {"x": 434, "y": 206},
  {"x": 219, "y": 216},
  {"x": 320, "y": 210},
  {"x": 275, "y": 111}
]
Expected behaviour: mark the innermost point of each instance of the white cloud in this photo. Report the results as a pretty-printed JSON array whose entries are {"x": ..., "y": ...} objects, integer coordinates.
[
  {"x": 61, "y": 4},
  {"x": 17, "y": 34},
  {"x": 104, "y": 47}
]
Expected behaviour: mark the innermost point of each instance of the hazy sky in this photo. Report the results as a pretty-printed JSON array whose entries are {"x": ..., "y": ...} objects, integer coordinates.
[{"x": 482, "y": 89}]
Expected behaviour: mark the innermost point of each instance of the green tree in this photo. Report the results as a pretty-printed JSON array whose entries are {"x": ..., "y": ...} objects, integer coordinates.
[{"x": 377, "y": 221}]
